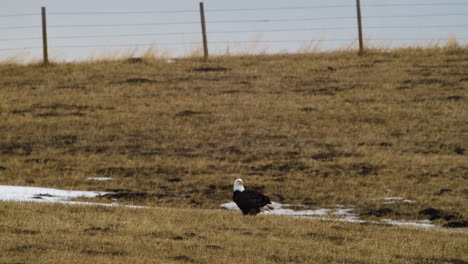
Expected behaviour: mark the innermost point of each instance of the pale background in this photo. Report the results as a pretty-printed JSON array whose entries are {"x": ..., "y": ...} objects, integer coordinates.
[{"x": 80, "y": 29}]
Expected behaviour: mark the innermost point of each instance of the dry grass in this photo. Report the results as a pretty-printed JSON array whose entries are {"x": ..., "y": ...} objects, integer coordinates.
[
  {"x": 45, "y": 233},
  {"x": 320, "y": 129}
]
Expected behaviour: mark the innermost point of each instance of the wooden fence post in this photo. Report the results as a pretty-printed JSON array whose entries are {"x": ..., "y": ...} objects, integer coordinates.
[
  {"x": 203, "y": 25},
  {"x": 361, "y": 42},
  {"x": 44, "y": 37}
]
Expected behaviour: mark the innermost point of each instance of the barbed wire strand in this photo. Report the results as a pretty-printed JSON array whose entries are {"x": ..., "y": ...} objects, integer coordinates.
[
  {"x": 20, "y": 27},
  {"x": 266, "y": 20},
  {"x": 223, "y": 10},
  {"x": 332, "y": 6},
  {"x": 150, "y": 34},
  {"x": 233, "y": 21},
  {"x": 20, "y": 15},
  {"x": 232, "y": 9}
]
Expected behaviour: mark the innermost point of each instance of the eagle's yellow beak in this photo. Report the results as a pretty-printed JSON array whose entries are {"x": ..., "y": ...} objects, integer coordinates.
[{"x": 241, "y": 182}]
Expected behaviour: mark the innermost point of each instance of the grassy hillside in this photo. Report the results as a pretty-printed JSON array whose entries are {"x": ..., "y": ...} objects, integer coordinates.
[
  {"x": 315, "y": 129},
  {"x": 44, "y": 233}
]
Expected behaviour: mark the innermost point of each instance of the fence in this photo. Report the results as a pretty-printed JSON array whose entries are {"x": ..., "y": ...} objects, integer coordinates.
[{"x": 225, "y": 22}]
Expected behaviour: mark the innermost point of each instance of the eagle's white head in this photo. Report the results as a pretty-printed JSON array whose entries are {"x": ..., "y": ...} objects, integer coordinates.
[{"x": 239, "y": 185}]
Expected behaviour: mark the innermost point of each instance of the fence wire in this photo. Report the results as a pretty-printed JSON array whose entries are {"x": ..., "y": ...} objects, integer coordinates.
[
  {"x": 231, "y": 10},
  {"x": 233, "y": 32},
  {"x": 260, "y": 20},
  {"x": 221, "y": 31}
]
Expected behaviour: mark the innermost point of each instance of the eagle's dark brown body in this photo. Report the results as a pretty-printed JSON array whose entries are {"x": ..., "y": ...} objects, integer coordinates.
[{"x": 250, "y": 202}]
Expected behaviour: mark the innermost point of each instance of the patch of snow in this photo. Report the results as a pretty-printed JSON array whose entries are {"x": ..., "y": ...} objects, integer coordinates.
[
  {"x": 50, "y": 195},
  {"x": 24, "y": 193},
  {"x": 393, "y": 200},
  {"x": 284, "y": 209},
  {"x": 281, "y": 211},
  {"x": 230, "y": 206},
  {"x": 422, "y": 223},
  {"x": 340, "y": 213},
  {"x": 99, "y": 179},
  {"x": 344, "y": 206},
  {"x": 97, "y": 204},
  {"x": 346, "y": 212}
]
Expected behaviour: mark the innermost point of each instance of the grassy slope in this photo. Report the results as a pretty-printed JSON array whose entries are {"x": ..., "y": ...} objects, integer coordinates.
[
  {"x": 320, "y": 129},
  {"x": 45, "y": 233}
]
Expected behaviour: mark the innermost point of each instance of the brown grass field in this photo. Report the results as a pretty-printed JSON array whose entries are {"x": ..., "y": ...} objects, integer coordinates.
[{"x": 317, "y": 129}]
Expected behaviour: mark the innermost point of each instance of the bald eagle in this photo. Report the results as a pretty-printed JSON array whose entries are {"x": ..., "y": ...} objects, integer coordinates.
[{"x": 250, "y": 202}]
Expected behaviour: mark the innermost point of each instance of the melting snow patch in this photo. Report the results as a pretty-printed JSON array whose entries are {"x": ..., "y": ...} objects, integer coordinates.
[
  {"x": 39, "y": 194},
  {"x": 279, "y": 209},
  {"x": 422, "y": 223},
  {"x": 285, "y": 209},
  {"x": 392, "y": 200},
  {"x": 339, "y": 213},
  {"x": 99, "y": 179},
  {"x": 23, "y": 193},
  {"x": 230, "y": 206}
]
